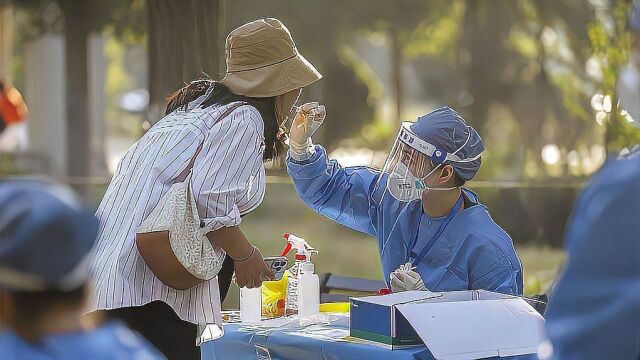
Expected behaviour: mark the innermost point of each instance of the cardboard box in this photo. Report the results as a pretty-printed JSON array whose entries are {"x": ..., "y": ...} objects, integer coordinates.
[
  {"x": 455, "y": 325},
  {"x": 375, "y": 319}
]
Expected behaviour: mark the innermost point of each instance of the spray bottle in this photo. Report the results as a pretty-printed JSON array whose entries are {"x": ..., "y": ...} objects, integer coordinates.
[{"x": 303, "y": 252}]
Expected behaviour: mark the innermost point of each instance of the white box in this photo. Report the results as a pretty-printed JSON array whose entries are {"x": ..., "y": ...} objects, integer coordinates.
[{"x": 475, "y": 324}]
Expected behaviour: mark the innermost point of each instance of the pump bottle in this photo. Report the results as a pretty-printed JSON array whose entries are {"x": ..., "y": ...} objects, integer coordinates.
[{"x": 308, "y": 291}]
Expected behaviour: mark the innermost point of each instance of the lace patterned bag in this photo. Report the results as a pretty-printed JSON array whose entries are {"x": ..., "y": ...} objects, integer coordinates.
[{"x": 172, "y": 241}]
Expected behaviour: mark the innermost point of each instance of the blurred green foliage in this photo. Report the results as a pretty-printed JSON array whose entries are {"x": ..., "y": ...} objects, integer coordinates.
[
  {"x": 610, "y": 41},
  {"x": 514, "y": 64},
  {"x": 518, "y": 70}
]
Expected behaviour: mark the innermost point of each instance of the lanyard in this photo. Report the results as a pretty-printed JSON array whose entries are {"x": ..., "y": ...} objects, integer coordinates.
[{"x": 443, "y": 225}]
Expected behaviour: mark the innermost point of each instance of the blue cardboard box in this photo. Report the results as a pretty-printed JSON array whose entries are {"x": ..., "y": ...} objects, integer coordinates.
[{"x": 375, "y": 319}]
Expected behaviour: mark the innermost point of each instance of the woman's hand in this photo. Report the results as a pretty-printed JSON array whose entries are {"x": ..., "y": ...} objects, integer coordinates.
[
  {"x": 248, "y": 263},
  {"x": 252, "y": 271},
  {"x": 308, "y": 119}
]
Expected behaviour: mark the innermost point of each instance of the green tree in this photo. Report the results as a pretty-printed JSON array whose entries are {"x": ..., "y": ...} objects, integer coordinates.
[
  {"x": 398, "y": 19},
  {"x": 610, "y": 41}
]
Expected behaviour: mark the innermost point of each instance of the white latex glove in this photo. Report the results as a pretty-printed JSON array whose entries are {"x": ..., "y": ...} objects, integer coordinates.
[
  {"x": 308, "y": 119},
  {"x": 405, "y": 279}
]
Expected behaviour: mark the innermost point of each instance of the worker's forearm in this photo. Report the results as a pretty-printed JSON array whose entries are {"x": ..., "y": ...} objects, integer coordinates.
[{"x": 232, "y": 241}]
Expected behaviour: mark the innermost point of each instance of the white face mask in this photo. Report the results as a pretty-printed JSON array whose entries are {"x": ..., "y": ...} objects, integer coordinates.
[{"x": 403, "y": 185}]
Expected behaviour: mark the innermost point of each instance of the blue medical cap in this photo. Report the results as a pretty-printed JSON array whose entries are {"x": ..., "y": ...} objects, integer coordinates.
[
  {"x": 45, "y": 237},
  {"x": 446, "y": 129}
]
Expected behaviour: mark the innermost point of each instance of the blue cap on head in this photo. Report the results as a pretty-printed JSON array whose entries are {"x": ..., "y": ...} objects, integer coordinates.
[
  {"x": 634, "y": 17},
  {"x": 45, "y": 237},
  {"x": 447, "y": 130}
]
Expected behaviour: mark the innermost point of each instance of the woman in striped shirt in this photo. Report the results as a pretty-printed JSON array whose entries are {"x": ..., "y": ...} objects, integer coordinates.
[{"x": 235, "y": 123}]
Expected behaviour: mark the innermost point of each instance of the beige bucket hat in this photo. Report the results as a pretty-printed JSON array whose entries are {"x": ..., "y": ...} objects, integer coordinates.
[{"x": 263, "y": 61}]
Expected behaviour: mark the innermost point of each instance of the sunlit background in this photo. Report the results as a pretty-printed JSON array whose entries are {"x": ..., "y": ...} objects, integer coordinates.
[{"x": 537, "y": 78}]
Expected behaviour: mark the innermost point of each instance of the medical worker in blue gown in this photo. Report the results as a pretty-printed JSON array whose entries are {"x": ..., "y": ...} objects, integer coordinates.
[
  {"x": 594, "y": 310},
  {"x": 432, "y": 233}
]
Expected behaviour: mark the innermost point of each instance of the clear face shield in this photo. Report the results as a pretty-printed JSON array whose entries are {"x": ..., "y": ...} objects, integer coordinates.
[{"x": 412, "y": 161}]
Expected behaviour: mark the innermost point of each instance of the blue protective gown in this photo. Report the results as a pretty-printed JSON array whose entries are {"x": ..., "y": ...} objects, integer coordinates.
[
  {"x": 594, "y": 310},
  {"x": 473, "y": 252}
]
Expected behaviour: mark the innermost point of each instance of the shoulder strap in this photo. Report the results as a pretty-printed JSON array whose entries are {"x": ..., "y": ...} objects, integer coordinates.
[{"x": 183, "y": 175}]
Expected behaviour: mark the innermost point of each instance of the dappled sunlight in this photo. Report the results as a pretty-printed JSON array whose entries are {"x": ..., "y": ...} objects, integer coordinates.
[{"x": 359, "y": 157}]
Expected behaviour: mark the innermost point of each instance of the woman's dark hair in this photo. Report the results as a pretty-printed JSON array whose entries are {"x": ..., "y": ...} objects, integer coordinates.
[{"x": 221, "y": 95}]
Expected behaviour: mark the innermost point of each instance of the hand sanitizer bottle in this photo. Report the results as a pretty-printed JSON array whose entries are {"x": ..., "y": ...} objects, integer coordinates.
[{"x": 308, "y": 291}]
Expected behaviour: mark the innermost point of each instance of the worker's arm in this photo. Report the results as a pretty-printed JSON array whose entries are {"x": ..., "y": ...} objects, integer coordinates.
[
  {"x": 502, "y": 277},
  {"x": 341, "y": 194}
]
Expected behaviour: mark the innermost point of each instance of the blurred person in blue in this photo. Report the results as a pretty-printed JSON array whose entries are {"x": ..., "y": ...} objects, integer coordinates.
[
  {"x": 433, "y": 234},
  {"x": 45, "y": 236},
  {"x": 594, "y": 309}
]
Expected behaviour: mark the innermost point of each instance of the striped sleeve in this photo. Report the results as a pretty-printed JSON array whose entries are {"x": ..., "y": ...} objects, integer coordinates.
[{"x": 230, "y": 157}]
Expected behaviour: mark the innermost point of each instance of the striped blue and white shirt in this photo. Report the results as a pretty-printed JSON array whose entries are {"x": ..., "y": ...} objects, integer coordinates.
[{"x": 228, "y": 181}]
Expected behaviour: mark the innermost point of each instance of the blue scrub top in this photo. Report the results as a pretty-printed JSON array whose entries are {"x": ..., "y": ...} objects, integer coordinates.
[
  {"x": 110, "y": 341},
  {"x": 594, "y": 310},
  {"x": 473, "y": 252}
]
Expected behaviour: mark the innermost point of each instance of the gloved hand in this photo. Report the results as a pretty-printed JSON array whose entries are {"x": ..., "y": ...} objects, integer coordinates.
[
  {"x": 308, "y": 119},
  {"x": 405, "y": 279}
]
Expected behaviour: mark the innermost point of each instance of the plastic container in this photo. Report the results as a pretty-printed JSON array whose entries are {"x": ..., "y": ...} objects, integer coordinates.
[
  {"x": 308, "y": 292},
  {"x": 273, "y": 297},
  {"x": 250, "y": 305},
  {"x": 303, "y": 254}
]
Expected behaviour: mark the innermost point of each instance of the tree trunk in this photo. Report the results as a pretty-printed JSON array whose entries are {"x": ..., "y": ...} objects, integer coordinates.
[
  {"x": 77, "y": 15},
  {"x": 6, "y": 43},
  {"x": 183, "y": 45},
  {"x": 396, "y": 73}
]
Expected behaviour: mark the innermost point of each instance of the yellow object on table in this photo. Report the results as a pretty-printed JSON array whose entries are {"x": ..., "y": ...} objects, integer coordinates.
[
  {"x": 275, "y": 292},
  {"x": 273, "y": 295},
  {"x": 339, "y": 307}
]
